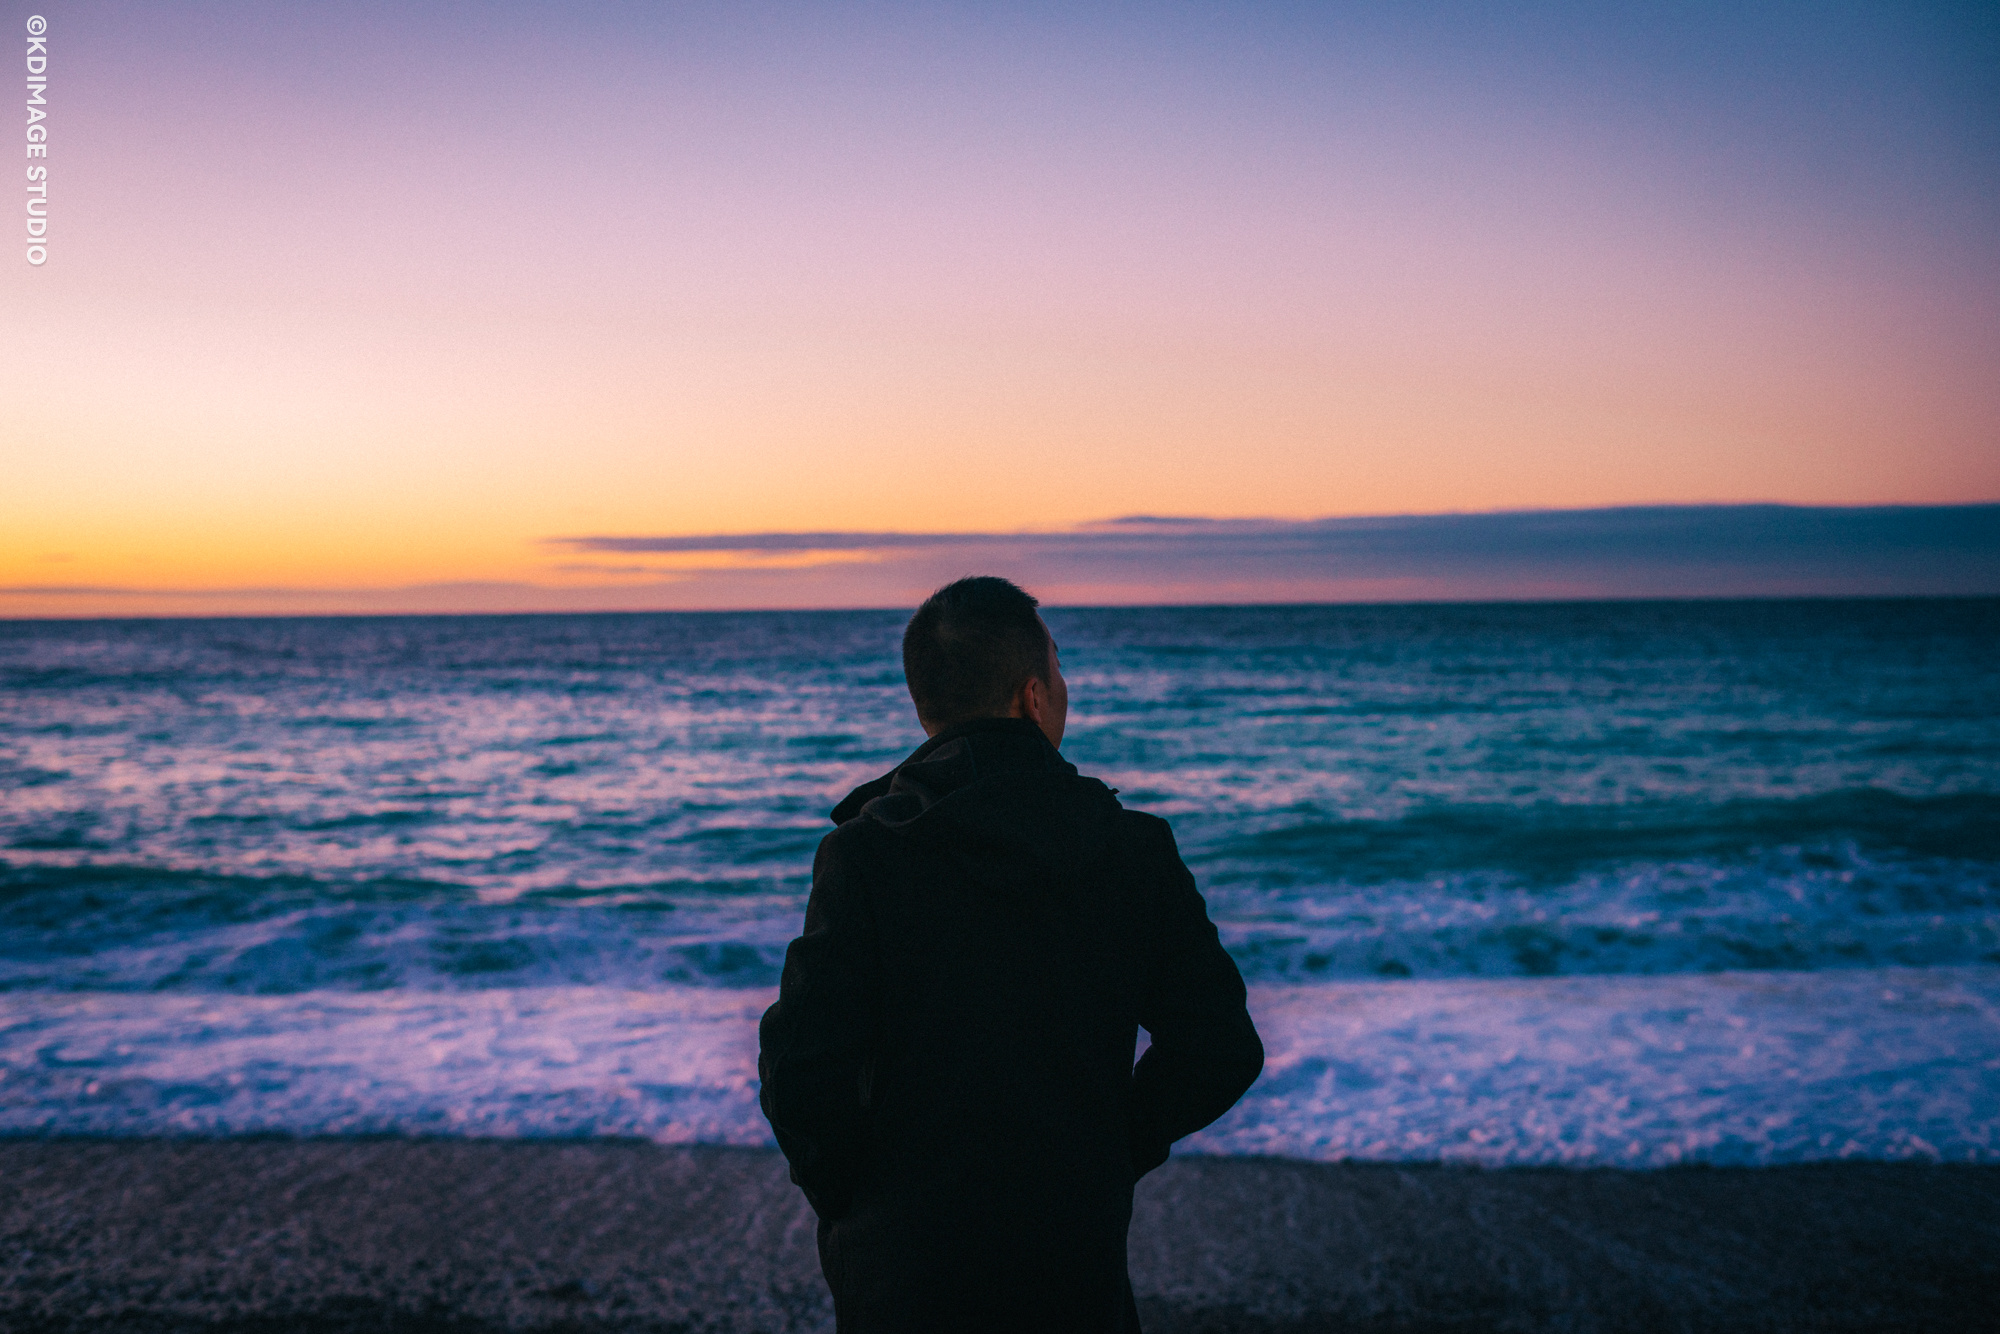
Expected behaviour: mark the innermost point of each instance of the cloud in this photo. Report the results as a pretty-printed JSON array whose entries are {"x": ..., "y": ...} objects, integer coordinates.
[
  {"x": 1642, "y": 551},
  {"x": 1689, "y": 551}
]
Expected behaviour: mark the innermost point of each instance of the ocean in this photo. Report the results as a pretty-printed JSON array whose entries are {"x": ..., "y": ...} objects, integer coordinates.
[{"x": 1624, "y": 884}]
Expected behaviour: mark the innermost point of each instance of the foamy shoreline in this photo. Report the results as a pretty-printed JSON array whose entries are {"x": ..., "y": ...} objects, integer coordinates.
[
  {"x": 481, "y": 1235},
  {"x": 1736, "y": 1069}
]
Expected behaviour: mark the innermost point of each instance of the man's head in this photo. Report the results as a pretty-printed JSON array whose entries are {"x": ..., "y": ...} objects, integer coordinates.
[{"x": 977, "y": 649}]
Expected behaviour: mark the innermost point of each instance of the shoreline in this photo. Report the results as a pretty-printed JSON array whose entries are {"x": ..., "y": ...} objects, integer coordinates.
[
  {"x": 470, "y": 1236},
  {"x": 1633, "y": 1070}
]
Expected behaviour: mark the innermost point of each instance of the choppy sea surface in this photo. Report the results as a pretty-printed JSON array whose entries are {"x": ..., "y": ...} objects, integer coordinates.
[{"x": 1629, "y": 883}]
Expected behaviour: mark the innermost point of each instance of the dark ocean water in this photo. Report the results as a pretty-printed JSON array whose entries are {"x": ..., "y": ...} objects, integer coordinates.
[{"x": 385, "y": 813}]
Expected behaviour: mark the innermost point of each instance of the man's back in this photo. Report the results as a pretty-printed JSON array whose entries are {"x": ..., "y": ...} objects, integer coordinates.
[{"x": 949, "y": 1066}]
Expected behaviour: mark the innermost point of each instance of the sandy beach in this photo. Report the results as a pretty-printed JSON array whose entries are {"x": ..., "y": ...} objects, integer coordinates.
[{"x": 326, "y": 1235}]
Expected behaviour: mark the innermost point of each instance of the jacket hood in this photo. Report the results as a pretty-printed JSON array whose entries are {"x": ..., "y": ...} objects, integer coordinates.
[{"x": 994, "y": 794}]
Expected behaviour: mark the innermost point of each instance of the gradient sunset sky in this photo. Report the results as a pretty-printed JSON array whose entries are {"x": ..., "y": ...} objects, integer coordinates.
[{"x": 354, "y": 306}]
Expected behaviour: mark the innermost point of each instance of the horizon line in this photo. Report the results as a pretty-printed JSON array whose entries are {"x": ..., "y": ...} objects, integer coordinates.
[
  {"x": 1619, "y": 553},
  {"x": 1552, "y": 601}
]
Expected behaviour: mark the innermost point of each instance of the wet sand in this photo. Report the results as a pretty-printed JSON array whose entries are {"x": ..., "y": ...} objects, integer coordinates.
[{"x": 474, "y": 1236}]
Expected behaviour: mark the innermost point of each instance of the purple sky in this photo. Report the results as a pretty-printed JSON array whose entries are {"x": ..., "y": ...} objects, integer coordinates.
[{"x": 350, "y": 299}]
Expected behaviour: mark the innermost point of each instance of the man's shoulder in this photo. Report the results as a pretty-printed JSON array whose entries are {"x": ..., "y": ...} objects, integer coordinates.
[
  {"x": 1131, "y": 835},
  {"x": 1144, "y": 835},
  {"x": 1104, "y": 797},
  {"x": 1143, "y": 822},
  {"x": 852, "y": 835}
]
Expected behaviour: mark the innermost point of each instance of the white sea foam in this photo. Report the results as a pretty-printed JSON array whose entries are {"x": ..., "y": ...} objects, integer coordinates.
[
  {"x": 1631, "y": 1071},
  {"x": 678, "y": 1066},
  {"x": 1746, "y": 1068}
]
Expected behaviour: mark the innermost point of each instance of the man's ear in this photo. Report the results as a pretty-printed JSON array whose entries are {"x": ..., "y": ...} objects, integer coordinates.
[{"x": 1032, "y": 701}]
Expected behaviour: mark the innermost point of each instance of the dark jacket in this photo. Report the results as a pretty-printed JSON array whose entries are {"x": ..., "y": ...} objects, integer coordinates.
[{"x": 949, "y": 1064}]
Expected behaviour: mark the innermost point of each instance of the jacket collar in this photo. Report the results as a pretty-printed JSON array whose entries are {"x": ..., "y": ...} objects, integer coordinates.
[{"x": 987, "y": 743}]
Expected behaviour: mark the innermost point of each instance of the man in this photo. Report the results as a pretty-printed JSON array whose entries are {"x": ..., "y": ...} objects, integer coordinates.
[{"x": 949, "y": 1063}]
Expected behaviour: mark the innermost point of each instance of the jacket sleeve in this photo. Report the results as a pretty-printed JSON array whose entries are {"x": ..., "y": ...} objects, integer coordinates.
[
  {"x": 1205, "y": 1052},
  {"x": 815, "y": 1043}
]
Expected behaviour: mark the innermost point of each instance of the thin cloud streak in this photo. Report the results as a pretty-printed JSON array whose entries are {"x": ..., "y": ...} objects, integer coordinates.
[{"x": 1639, "y": 552}]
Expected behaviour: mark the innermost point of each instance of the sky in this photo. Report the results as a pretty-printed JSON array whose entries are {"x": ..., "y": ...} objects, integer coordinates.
[{"x": 429, "y": 307}]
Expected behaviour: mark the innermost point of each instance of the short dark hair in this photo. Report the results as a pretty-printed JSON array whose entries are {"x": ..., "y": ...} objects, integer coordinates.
[{"x": 970, "y": 648}]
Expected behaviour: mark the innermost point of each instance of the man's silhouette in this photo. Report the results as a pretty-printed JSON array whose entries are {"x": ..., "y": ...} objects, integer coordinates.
[{"x": 949, "y": 1063}]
